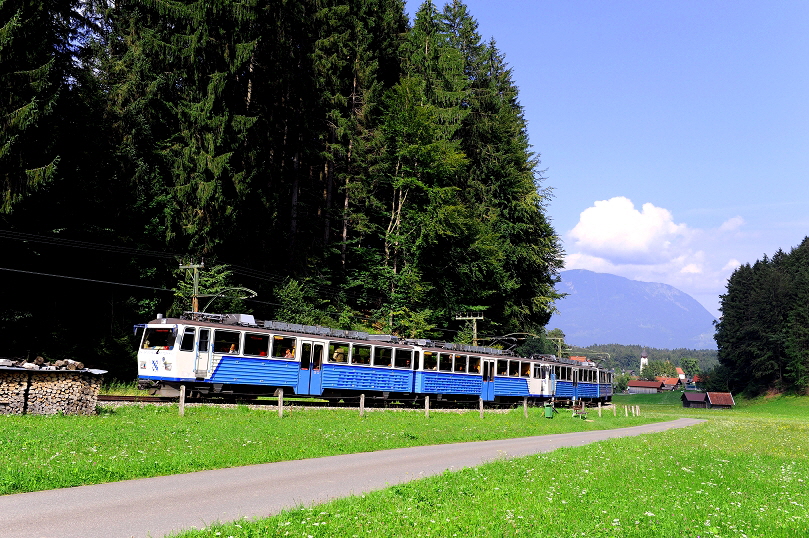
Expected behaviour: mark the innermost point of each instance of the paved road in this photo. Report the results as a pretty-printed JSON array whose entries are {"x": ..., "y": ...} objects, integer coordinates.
[{"x": 156, "y": 506}]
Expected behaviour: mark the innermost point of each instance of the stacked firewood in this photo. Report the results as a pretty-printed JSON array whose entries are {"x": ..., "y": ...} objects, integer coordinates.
[
  {"x": 13, "y": 386},
  {"x": 48, "y": 389},
  {"x": 51, "y": 393},
  {"x": 41, "y": 364}
]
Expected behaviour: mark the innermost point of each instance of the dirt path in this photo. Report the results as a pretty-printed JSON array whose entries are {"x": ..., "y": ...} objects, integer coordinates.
[{"x": 156, "y": 506}]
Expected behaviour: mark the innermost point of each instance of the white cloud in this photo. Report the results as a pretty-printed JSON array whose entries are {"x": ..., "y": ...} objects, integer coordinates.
[
  {"x": 731, "y": 224},
  {"x": 614, "y": 237},
  {"x": 691, "y": 268},
  {"x": 614, "y": 230}
]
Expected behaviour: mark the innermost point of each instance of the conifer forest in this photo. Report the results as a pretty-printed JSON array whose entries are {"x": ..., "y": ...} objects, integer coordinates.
[
  {"x": 763, "y": 335},
  {"x": 328, "y": 161}
]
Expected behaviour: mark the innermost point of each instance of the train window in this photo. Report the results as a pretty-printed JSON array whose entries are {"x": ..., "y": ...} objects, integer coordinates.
[
  {"x": 226, "y": 342},
  {"x": 430, "y": 361},
  {"x": 474, "y": 365},
  {"x": 360, "y": 354},
  {"x": 403, "y": 358},
  {"x": 525, "y": 369},
  {"x": 256, "y": 344},
  {"x": 187, "y": 343},
  {"x": 162, "y": 338},
  {"x": 460, "y": 363},
  {"x": 283, "y": 347},
  {"x": 445, "y": 362},
  {"x": 338, "y": 352},
  {"x": 502, "y": 367},
  {"x": 383, "y": 356},
  {"x": 537, "y": 371},
  {"x": 204, "y": 339}
]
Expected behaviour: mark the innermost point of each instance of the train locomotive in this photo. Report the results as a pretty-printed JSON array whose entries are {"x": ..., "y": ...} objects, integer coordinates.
[{"x": 237, "y": 355}]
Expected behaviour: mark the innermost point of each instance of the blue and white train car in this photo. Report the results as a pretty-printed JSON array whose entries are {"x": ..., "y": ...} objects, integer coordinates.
[{"x": 235, "y": 354}]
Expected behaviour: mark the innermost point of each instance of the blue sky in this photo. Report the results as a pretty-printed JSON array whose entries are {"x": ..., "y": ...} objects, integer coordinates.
[{"x": 675, "y": 134}]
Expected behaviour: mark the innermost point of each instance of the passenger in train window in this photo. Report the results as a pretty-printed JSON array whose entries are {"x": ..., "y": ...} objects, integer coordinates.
[
  {"x": 283, "y": 348},
  {"x": 339, "y": 354},
  {"x": 256, "y": 344},
  {"x": 514, "y": 369},
  {"x": 402, "y": 359},
  {"x": 460, "y": 363}
]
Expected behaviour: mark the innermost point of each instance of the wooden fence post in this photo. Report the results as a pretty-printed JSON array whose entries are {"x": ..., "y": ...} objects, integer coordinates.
[
  {"x": 525, "y": 406},
  {"x": 182, "y": 400},
  {"x": 614, "y": 410},
  {"x": 480, "y": 406},
  {"x": 626, "y": 411},
  {"x": 427, "y": 406},
  {"x": 280, "y": 403},
  {"x": 599, "y": 409},
  {"x": 362, "y": 404}
]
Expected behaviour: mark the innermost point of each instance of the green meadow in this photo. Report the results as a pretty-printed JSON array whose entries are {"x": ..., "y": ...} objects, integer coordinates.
[
  {"x": 137, "y": 441},
  {"x": 744, "y": 472}
]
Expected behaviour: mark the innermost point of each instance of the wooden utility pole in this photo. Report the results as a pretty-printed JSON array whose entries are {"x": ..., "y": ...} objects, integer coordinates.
[
  {"x": 474, "y": 317},
  {"x": 195, "y": 296}
]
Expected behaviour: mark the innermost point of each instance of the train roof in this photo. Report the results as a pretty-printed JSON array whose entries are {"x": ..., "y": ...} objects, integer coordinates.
[{"x": 248, "y": 321}]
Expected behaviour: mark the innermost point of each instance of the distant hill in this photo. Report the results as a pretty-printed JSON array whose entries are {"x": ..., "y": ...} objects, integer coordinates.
[{"x": 607, "y": 309}]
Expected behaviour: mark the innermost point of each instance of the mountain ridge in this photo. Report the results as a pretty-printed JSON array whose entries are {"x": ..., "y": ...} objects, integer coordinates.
[{"x": 602, "y": 308}]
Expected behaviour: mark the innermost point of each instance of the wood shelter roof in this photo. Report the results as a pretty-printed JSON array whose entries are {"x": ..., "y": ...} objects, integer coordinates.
[{"x": 720, "y": 398}]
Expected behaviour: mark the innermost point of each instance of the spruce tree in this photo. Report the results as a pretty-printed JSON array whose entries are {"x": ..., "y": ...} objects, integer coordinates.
[{"x": 36, "y": 61}]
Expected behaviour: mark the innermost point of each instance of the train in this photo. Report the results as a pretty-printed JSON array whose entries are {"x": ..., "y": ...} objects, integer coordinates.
[{"x": 229, "y": 355}]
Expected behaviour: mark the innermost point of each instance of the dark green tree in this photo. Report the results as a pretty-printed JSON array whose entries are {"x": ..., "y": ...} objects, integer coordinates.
[{"x": 37, "y": 60}]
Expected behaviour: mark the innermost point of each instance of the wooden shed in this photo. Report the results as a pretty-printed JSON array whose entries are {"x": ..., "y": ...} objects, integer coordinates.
[
  {"x": 720, "y": 400},
  {"x": 644, "y": 387},
  {"x": 694, "y": 399}
]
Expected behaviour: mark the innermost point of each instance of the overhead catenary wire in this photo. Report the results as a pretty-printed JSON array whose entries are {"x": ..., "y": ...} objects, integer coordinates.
[
  {"x": 85, "y": 279},
  {"x": 236, "y": 269},
  {"x": 114, "y": 249}
]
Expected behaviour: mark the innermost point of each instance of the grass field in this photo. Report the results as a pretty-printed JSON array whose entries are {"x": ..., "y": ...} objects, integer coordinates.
[
  {"x": 127, "y": 442},
  {"x": 743, "y": 473}
]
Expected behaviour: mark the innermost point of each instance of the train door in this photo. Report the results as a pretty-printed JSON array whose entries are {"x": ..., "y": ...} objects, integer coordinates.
[
  {"x": 487, "y": 389},
  {"x": 203, "y": 351},
  {"x": 575, "y": 384},
  {"x": 310, "y": 376}
]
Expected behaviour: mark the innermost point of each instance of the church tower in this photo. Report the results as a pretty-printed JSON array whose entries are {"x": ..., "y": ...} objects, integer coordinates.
[{"x": 644, "y": 360}]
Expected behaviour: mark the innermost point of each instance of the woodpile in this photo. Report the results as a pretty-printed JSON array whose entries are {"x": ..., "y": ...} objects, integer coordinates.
[
  {"x": 13, "y": 386},
  {"x": 41, "y": 364},
  {"x": 47, "y": 392}
]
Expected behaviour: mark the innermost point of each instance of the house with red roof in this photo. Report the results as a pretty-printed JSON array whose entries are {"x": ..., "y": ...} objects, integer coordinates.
[
  {"x": 644, "y": 387},
  {"x": 669, "y": 383}
]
